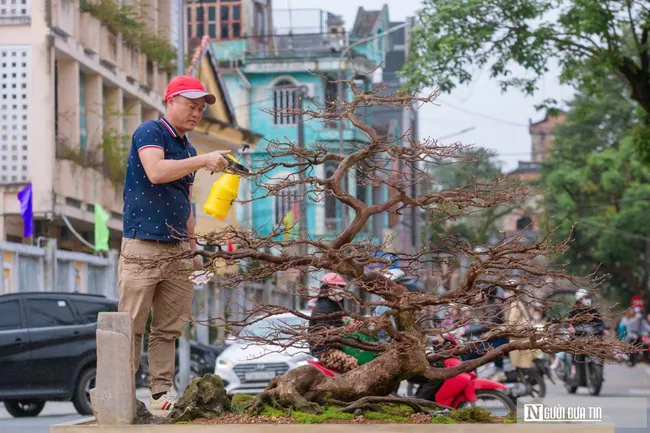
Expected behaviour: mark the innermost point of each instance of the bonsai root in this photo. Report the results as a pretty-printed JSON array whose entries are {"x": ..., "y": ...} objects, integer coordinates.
[
  {"x": 417, "y": 404},
  {"x": 282, "y": 395}
]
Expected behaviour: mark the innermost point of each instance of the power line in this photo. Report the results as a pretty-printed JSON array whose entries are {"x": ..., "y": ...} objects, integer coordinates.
[{"x": 485, "y": 116}]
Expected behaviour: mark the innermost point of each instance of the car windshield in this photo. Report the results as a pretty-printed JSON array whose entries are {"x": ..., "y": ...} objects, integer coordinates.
[{"x": 273, "y": 327}]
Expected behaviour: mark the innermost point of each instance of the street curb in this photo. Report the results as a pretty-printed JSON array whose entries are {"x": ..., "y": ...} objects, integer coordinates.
[{"x": 77, "y": 427}]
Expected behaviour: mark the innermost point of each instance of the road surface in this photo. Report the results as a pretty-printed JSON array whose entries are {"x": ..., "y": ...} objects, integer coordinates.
[{"x": 620, "y": 381}]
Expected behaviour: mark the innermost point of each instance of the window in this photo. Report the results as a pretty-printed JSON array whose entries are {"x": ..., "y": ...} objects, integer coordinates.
[
  {"x": 259, "y": 20},
  {"x": 10, "y": 315},
  {"x": 330, "y": 200},
  {"x": 83, "y": 133},
  {"x": 285, "y": 202},
  {"x": 89, "y": 310},
  {"x": 199, "y": 14},
  {"x": 199, "y": 30},
  {"x": 284, "y": 98},
  {"x": 212, "y": 22},
  {"x": 42, "y": 313},
  {"x": 189, "y": 30},
  {"x": 189, "y": 14},
  {"x": 230, "y": 19},
  {"x": 362, "y": 183}
]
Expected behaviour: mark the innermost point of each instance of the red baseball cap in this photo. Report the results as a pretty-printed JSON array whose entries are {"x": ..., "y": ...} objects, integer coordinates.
[{"x": 189, "y": 87}]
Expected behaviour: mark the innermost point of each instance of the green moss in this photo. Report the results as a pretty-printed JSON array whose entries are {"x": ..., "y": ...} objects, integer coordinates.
[
  {"x": 272, "y": 412},
  {"x": 442, "y": 420},
  {"x": 183, "y": 422},
  {"x": 384, "y": 416},
  {"x": 472, "y": 414},
  {"x": 509, "y": 421},
  {"x": 240, "y": 401},
  {"x": 400, "y": 410},
  {"x": 328, "y": 412}
]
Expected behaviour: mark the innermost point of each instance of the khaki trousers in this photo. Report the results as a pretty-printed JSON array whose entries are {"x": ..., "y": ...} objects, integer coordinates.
[{"x": 167, "y": 292}]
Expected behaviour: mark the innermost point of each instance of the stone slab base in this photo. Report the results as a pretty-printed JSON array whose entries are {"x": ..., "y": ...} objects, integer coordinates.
[{"x": 83, "y": 426}]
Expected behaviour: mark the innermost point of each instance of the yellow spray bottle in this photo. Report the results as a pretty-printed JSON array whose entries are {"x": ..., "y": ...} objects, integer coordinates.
[{"x": 225, "y": 190}]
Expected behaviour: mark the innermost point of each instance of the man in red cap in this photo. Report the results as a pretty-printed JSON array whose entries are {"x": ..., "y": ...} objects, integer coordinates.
[{"x": 159, "y": 223}]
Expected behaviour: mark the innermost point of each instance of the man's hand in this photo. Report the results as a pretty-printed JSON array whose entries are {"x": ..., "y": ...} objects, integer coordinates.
[
  {"x": 198, "y": 262},
  {"x": 215, "y": 161}
]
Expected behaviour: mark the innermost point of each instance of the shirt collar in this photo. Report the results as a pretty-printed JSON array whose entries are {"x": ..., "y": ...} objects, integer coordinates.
[{"x": 169, "y": 127}]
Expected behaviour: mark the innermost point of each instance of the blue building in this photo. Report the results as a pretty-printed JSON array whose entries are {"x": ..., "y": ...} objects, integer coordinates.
[{"x": 275, "y": 53}]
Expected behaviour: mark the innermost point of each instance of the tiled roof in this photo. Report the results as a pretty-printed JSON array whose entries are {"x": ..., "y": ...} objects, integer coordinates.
[{"x": 365, "y": 22}]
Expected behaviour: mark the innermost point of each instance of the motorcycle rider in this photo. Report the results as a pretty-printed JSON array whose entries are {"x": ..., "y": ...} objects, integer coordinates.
[
  {"x": 491, "y": 316},
  {"x": 584, "y": 307},
  {"x": 637, "y": 326},
  {"x": 329, "y": 301}
]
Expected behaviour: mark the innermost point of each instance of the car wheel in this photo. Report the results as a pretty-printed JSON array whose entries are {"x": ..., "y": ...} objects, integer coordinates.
[
  {"x": 24, "y": 408},
  {"x": 81, "y": 399}
]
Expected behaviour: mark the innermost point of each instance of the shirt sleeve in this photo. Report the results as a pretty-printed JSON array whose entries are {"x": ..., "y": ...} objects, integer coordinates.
[{"x": 148, "y": 136}]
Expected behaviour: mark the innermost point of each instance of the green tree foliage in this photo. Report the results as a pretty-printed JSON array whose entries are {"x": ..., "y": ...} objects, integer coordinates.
[
  {"x": 480, "y": 225},
  {"x": 590, "y": 39},
  {"x": 596, "y": 183}
]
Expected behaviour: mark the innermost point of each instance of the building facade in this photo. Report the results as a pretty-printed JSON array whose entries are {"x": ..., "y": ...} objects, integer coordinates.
[
  {"x": 263, "y": 73},
  {"x": 75, "y": 86},
  {"x": 73, "y": 91}
]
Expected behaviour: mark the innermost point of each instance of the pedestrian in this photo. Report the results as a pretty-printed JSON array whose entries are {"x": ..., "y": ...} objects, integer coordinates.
[
  {"x": 159, "y": 224},
  {"x": 518, "y": 319}
]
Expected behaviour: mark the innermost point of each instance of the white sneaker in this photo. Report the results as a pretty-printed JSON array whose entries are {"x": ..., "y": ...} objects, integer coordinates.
[
  {"x": 165, "y": 402},
  {"x": 499, "y": 376}
]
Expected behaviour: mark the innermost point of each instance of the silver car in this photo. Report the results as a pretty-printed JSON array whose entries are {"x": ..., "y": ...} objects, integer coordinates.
[{"x": 247, "y": 367}]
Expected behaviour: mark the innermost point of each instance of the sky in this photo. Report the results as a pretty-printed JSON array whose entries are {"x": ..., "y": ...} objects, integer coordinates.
[{"x": 500, "y": 120}]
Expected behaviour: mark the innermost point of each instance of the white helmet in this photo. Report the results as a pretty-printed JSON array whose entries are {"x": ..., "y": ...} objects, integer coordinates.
[
  {"x": 394, "y": 274},
  {"x": 582, "y": 293}
]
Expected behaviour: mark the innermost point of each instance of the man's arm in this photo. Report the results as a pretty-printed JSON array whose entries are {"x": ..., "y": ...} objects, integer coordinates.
[{"x": 161, "y": 170}]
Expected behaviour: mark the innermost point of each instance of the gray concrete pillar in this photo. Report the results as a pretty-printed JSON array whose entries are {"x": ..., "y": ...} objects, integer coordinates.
[{"x": 113, "y": 398}]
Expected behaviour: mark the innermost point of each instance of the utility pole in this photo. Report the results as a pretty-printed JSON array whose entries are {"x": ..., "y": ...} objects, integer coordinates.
[
  {"x": 184, "y": 341},
  {"x": 301, "y": 94}
]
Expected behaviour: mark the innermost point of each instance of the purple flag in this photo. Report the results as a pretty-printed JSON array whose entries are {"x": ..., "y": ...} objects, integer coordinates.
[{"x": 25, "y": 198}]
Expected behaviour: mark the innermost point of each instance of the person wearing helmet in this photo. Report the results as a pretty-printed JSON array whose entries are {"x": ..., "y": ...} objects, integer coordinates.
[
  {"x": 637, "y": 326},
  {"x": 330, "y": 301},
  {"x": 584, "y": 307}
]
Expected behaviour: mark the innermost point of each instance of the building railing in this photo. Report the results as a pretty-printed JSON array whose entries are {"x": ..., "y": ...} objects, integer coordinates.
[{"x": 281, "y": 45}]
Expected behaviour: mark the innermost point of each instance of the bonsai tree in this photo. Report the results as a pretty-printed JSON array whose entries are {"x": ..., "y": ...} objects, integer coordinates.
[{"x": 401, "y": 165}]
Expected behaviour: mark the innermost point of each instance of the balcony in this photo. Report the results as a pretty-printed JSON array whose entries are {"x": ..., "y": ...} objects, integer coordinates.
[
  {"x": 108, "y": 50},
  {"x": 131, "y": 61},
  {"x": 332, "y": 134},
  {"x": 90, "y": 33},
  {"x": 162, "y": 78},
  {"x": 86, "y": 185},
  {"x": 63, "y": 16}
]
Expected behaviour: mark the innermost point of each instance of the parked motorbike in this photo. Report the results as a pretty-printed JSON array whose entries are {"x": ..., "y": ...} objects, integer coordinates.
[
  {"x": 520, "y": 381},
  {"x": 465, "y": 389},
  {"x": 588, "y": 369}
]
